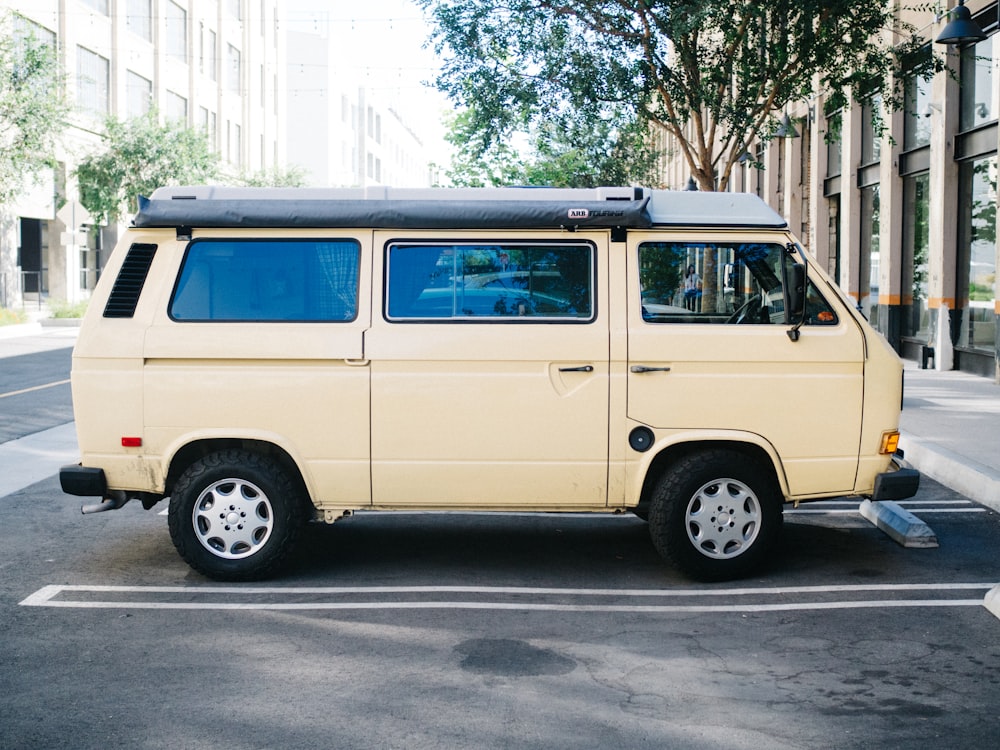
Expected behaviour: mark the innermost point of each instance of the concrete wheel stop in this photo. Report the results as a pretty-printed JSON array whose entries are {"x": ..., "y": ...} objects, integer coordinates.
[
  {"x": 992, "y": 601},
  {"x": 901, "y": 525}
]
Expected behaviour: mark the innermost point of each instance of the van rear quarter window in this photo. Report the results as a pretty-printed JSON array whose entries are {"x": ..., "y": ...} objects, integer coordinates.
[
  {"x": 268, "y": 281},
  {"x": 515, "y": 282}
]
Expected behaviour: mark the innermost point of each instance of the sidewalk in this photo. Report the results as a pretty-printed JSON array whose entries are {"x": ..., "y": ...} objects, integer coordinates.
[
  {"x": 951, "y": 431},
  {"x": 950, "y": 424}
]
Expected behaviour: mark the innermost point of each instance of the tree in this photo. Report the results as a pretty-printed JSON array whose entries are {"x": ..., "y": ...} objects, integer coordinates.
[
  {"x": 584, "y": 148},
  {"x": 713, "y": 73},
  {"x": 140, "y": 155},
  {"x": 32, "y": 104}
]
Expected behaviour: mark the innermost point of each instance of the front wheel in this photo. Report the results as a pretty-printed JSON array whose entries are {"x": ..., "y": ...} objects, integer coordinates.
[
  {"x": 234, "y": 515},
  {"x": 715, "y": 515}
]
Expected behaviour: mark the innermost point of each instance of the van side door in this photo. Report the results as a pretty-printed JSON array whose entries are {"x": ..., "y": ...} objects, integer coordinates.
[
  {"x": 489, "y": 361},
  {"x": 710, "y": 357}
]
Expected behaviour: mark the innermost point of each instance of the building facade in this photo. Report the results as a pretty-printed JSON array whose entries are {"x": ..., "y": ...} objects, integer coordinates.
[
  {"x": 906, "y": 221},
  {"x": 217, "y": 65},
  {"x": 345, "y": 127}
]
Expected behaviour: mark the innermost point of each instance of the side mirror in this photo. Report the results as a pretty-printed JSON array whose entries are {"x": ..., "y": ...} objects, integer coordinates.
[{"x": 795, "y": 294}]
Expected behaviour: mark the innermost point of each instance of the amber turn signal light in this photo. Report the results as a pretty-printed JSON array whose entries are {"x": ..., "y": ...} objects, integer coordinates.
[{"x": 890, "y": 441}]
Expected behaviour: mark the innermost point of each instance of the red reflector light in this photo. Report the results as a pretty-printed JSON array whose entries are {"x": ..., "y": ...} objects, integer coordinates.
[{"x": 131, "y": 442}]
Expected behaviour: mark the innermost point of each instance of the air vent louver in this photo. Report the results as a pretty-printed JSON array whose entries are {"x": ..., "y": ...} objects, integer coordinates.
[{"x": 128, "y": 286}]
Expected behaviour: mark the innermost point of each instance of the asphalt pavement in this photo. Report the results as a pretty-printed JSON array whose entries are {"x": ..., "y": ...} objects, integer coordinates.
[{"x": 950, "y": 425}]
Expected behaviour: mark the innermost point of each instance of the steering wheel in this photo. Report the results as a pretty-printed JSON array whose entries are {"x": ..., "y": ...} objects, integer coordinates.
[{"x": 748, "y": 312}]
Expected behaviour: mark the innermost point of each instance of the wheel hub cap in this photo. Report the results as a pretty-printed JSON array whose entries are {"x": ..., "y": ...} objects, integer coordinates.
[
  {"x": 233, "y": 518},
  {"x": 723, "y": 518}
]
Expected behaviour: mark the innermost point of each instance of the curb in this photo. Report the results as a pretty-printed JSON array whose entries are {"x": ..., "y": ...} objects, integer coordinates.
[{"x": 957, "y": 472}]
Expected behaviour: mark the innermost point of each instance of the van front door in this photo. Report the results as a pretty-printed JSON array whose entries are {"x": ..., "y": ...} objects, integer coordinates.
[
  {"x": 489, "y": 365},
  {"x": 710, "y": 357}
]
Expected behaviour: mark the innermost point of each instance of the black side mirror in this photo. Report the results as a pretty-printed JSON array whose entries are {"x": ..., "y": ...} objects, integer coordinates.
[{"x": 795, "y": 294}]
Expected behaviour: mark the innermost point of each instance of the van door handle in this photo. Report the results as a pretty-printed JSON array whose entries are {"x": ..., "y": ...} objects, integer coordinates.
[
  {"x": 357, "y": 362},
  {"x": 643, "y": 368},
  {"x": 581, "y": 368}
]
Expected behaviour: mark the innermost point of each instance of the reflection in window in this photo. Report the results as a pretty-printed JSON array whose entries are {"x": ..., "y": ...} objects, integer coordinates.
[
  {"x": 513, "y": 281},
  {"x": 268, "y": 280},
  {"x": 870, "y": 239},
  {"x": 917, "y": 106},
  {"x": 916, "y": 244},
  {"x": 977, "y": 252},
  {"x": 720, "y": 283},
  {"x": 976, "y": 105},
  {"x": 871, "y": 130}
]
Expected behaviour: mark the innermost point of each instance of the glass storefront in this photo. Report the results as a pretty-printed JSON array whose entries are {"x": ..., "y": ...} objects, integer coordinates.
[
  {"x": 977, "y": 253},
  {"x": 916, "y": 242},
  {"x": 870, "y": 253}
]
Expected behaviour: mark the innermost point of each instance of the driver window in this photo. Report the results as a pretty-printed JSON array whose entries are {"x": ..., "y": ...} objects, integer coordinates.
[{"x": 684, "y": 282}]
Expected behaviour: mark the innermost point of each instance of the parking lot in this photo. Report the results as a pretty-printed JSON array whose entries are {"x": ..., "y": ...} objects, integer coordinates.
[{"x": 496, "y": 630}]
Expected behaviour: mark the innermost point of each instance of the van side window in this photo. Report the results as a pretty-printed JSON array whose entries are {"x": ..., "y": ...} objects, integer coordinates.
[
  {"x": 490, "y": 282},
  {"x": 268, "y": 281},
  {"x": 684, "y": 282}
]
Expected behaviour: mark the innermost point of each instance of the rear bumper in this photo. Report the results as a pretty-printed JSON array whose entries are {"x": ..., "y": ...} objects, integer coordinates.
[
  {"x": 83, "y": 481},
  {"x": 900, "y": 482}
]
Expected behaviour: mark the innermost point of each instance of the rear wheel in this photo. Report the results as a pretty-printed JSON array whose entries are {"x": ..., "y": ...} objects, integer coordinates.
[
  {"x": 234, "y": 515},
  {"x": 715, "y": 515}
]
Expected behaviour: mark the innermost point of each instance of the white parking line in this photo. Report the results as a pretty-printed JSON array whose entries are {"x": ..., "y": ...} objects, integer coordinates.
[{"x": 53, "y": 596}]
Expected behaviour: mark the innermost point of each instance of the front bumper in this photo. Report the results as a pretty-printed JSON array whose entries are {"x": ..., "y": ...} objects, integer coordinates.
[{"x": 900, "y": 482}]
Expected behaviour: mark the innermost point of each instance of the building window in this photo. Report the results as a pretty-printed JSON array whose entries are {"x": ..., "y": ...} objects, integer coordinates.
[
  {"x": 175, "y": 107},
  {"x": 977, "y": 206},
  {"x": 213, "y": 56},
  {"x": 139, "y": 19},
  {"x": 101, "y": 6},
  {"x": 92, "y": 78},
  {"x": 869, "y": 275},
  {"x": 916, "y": 244},
  {"x": 871, "y": 126},
  {"x": 176, "y": 19},
  {"x": 235, "y": 8},
  {"x": 917, "y": 108},
  {"x": 138, "y": 94},
  {"x": 834, "y": 144},
  {"x": 236, "y": 157},
  {"x": 232, "y": 69},
  {"x": 976, "y": 103}
]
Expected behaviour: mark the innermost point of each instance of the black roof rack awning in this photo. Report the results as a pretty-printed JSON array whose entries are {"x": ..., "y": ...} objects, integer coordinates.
[{"x": 392, "y": 214}]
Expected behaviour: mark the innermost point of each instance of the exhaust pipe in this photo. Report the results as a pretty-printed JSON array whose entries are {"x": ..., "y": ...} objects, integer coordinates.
[{"x": 114, "y": 501}]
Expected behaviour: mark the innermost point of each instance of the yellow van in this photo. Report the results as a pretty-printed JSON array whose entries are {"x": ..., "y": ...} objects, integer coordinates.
[{"x": 264, "y": 357}]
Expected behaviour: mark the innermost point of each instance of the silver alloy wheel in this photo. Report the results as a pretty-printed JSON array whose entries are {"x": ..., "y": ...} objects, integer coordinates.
[
  {"x": 723, "y": 518},
  {"x": 233, "y": 518}
]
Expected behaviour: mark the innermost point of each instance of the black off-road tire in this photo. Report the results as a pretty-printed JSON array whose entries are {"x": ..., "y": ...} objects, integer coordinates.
[
  {"x": 716, "y": 515},
  {"x": 235, "y": 514}
]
